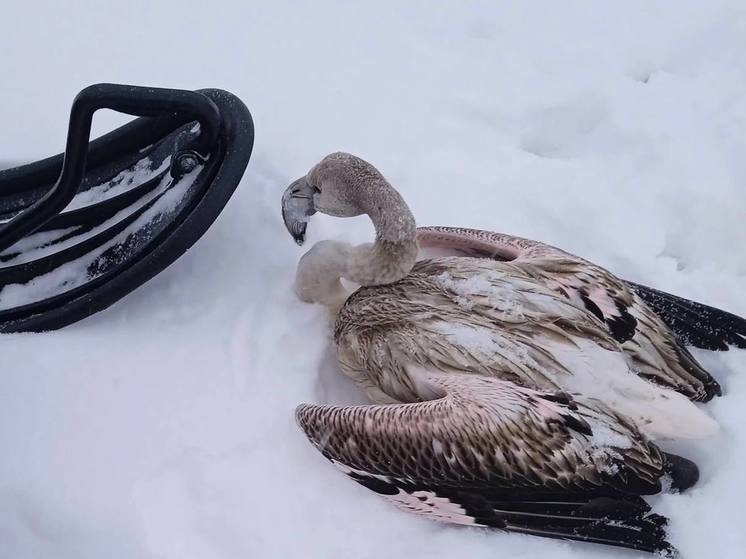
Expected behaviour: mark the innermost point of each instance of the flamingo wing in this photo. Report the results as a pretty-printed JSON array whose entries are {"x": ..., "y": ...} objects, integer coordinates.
[
  {"x": 486, "y": 452},
  {"x": 695, "y": 324},
  {"x": 655, "y": 351}
]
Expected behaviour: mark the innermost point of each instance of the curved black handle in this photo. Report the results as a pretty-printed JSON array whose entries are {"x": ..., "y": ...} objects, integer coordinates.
[{"x": 128, "y": 99}]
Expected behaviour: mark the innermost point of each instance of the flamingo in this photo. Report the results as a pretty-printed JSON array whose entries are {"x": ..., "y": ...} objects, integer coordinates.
[{"x": 514, "y": 385}]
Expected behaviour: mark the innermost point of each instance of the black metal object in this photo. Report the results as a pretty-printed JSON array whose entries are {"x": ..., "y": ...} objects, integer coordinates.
[{"x": 170, "y": 179}]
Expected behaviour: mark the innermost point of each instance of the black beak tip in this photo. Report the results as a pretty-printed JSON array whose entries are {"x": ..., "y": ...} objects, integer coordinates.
[{"x": 299, "y": 233}]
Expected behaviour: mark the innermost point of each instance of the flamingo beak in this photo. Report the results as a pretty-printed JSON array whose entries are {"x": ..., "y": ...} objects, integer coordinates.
[{"x": 297, "y": 207}]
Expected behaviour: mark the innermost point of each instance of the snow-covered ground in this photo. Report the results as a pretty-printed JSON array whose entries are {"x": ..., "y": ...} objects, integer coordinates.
[{"x": 163, "y": 427}]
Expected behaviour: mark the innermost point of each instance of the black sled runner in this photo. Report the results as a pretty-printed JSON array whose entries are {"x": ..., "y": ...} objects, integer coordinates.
[{"x": 81, "y": 230}]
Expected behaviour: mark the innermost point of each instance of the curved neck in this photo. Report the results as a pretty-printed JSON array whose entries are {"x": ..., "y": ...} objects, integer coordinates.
[
  {"x": 388, "y": 259},
  {"x": 394, "y": 251}
]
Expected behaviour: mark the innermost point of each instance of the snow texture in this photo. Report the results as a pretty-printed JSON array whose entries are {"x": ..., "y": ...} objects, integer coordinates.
[
  {"x": 163, "y": 428},
  {"x": 76, "y": 272}
]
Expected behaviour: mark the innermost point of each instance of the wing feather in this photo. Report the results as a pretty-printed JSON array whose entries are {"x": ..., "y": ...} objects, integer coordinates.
[
  {"x": 484, "y": 317},
  {"x": 654, "y": 350},
  {"x": 490, "y": 453}
]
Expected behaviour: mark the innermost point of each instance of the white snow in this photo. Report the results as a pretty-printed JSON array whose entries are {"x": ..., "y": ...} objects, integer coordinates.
[
  {"x": 75, "y": 273},
  {"x": 163, "y": 427},
  {"x": 139, "y": 173},
  {"x": 40, "y": 244},
  {"x": 482, "y": 285},
  {"x": 472, "y": 338}
]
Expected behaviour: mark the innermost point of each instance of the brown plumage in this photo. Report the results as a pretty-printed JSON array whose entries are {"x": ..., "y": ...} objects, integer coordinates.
[
  {"x": 471, "y": 356},
  {"x": 480, "y": 316},
  {"x": 485, "y": 452},
  {"x": 654, "y": 351}
]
